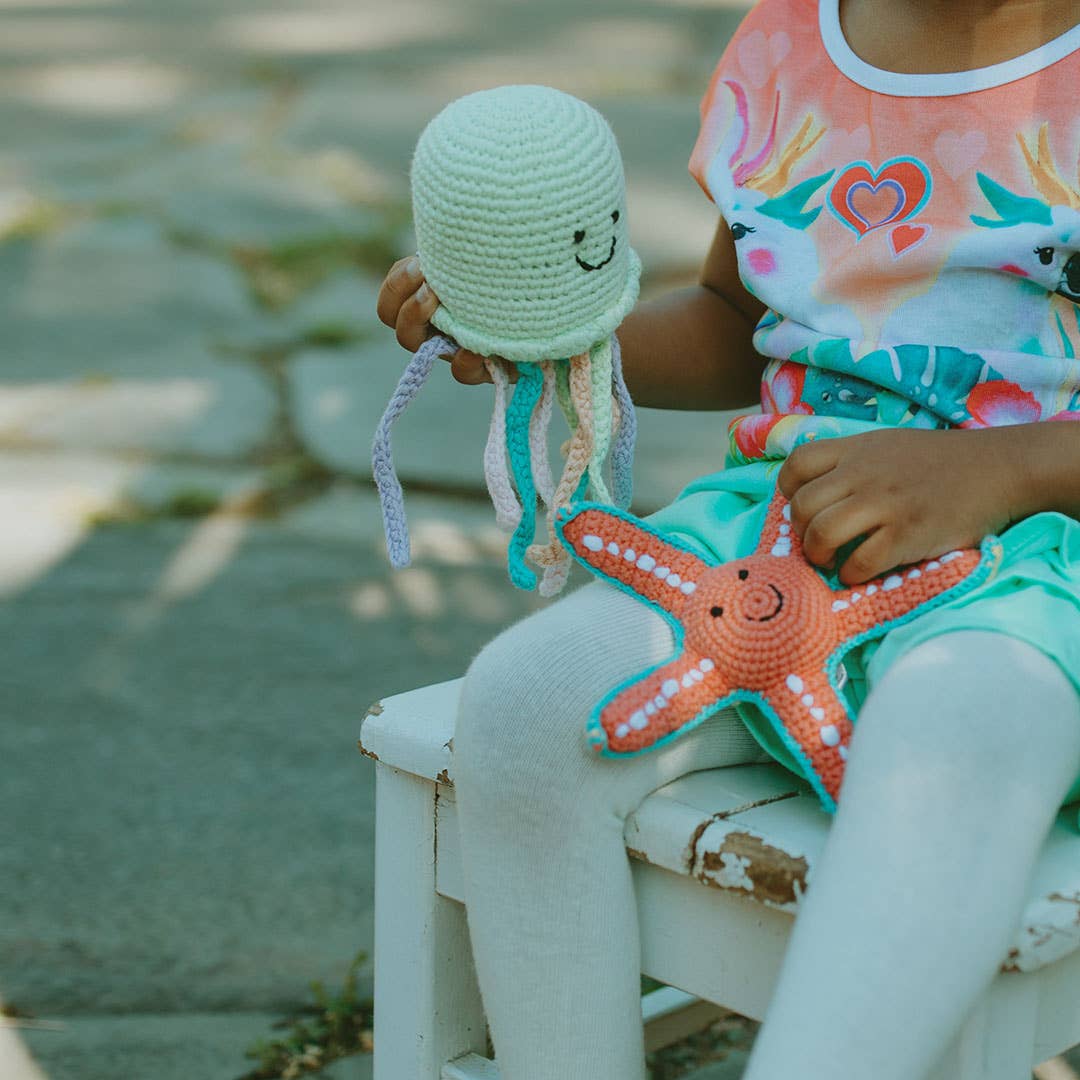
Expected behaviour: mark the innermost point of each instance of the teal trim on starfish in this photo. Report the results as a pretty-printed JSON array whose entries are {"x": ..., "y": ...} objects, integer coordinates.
[{"x": 991, "y": 554}]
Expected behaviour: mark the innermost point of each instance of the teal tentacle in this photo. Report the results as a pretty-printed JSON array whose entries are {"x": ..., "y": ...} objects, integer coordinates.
[{"x": 527, "y": 393}]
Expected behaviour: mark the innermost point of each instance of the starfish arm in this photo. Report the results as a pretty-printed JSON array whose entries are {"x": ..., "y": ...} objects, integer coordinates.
[
  {"x": 879, "y": 604},
  {"x": 777, "y": 535},
  {"x": 624, "y": 550},
  {"x": 813, "y": 719},
  {"x": 638, "y": 715}
]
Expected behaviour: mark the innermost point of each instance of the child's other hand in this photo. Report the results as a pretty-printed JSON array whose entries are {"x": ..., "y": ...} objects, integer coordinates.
[
  {"x": 913, "y": 494},
  {"x": 406, "y": 303}
]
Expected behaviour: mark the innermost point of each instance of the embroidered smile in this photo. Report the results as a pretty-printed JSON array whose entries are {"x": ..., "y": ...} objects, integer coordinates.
[
  {"x": 779, "y": 607},
  {"x": 589, "y": 266},
  {"x": 580, "y": 235}
]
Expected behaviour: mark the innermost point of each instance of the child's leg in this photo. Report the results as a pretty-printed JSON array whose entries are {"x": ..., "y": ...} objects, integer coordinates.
[
  {"x": 960, "y": 758},
  {"x": 547, "y": 880}
]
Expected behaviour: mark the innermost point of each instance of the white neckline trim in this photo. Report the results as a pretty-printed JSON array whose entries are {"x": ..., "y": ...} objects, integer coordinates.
[{"x": 938, "y": 84}]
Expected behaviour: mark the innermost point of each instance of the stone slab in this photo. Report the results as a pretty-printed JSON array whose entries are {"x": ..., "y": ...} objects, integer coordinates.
[
  {"x": 191, "y": 819},
  {"x": 336, "y": 399},
  {"x": 170, "y": 1046},
  {"x": 114, "y": 296}
]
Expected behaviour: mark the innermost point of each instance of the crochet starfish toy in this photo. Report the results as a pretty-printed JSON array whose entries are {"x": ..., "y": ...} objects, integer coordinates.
[
  {"x": 766, "y": 629},
  {"x": 519, "y": 204}
]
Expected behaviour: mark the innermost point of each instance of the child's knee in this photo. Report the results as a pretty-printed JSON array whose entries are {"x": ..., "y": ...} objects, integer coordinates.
[{"x": 970, "y": 704}]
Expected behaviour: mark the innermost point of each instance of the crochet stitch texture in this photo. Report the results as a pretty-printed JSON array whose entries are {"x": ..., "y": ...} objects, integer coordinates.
[{"x": 519, "y": 206}]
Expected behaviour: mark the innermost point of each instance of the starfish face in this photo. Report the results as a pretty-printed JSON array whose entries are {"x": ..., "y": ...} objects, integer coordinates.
[
  {"x": 766, "y": 629},
  {"x": 741, "y": 609}
]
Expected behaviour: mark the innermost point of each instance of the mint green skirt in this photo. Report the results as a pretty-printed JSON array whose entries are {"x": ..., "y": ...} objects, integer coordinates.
[{"x": 1035, "y": 596}]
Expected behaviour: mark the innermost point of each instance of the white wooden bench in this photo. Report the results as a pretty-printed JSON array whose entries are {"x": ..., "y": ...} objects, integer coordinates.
[{"x": 730, "y": 849}]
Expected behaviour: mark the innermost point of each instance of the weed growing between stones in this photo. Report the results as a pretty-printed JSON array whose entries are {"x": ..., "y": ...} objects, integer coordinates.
[{"x": 337, "y": 1025}]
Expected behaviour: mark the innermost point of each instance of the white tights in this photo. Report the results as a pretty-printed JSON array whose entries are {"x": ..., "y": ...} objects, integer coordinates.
[{"x": 960, "y": 758}]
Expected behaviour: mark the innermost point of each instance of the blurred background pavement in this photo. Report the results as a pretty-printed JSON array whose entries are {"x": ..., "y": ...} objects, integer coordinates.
[{"x": 197, "y": 204}]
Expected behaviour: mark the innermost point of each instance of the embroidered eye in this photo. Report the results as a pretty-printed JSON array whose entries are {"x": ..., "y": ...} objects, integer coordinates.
[
  {"x": 739, "y": 230},
  {"x": 1046, "y": 255},
  {"x": 716, "y": 612},
  {"x": 614, "y": 215},
  {"x": 579, "y": 236},
  {"x": 744, "y": 574}
]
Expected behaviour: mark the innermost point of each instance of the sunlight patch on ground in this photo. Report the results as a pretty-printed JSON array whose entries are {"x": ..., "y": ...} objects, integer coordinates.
[
  {"x": 109, "y": 88},
  {"x": 46, "y": 504},
  {"x": 319, "y": 30}
]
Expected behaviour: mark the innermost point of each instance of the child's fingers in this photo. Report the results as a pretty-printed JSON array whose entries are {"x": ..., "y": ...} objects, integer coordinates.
[
  {"x": 401, "y": 281},
  {"x": 412, "y": 326},
  {"x": 469, "y": 368}
]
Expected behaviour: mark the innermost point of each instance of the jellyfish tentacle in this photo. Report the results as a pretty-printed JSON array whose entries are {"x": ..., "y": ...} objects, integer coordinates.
[
  {"x": 541, "y": 421},
  {"x": 552, "y": 556},
  {"x": 622, "y": 450},
  {"x": 526, "y": 395},
  {"x": 496, "y": 471},
  {"x": 391, "y": 497},
  {"x": 600, "y": 399}
]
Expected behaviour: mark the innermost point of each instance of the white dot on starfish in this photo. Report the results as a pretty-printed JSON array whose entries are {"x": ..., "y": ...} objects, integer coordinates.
[
  {"x": 817, "y": 712},
  {"x": 840, "y": 605},
  {"x": 842, "y": 751},
  {"x": 687, "y": 587},
  {"x": 795, "y": 684},
  {"x": 660, "y": 701},
  {"x": 662, "y": 572},
  {"x": 951, "y": 555},
  {"x": 830, "y": 735},
  {"x": 871, "y": 589},
  {"x": 933, "y": 564},
  {"x": 593, "y": 543},
  {"x": 629, "y": 554},
  {"x": 650, "y": 708},
  {"x": 706, "y": 664},
  {"x": 688, "y": 680},
  {"x": 780, "y": 549},
  {"x": 808, "y": 700},
  {"x": 645, "y": 562},
  {"x": 893, "y": 581},
  {"x": 786, "y": 512},
  {"x": 913, "y": 574},
  {"x": 696, "y": 675},
  {"x": 785, "y": 529},
  {"x": 856, "y": 596},
  {"x": 639, "y": 720},
  {"x": 622, "y": 731},
  {"x": 670, "y": 688},
  {"x": 674, "y": 580}
]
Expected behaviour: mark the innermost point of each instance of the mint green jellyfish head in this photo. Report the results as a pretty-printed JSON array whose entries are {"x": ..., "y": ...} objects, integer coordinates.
[{"x": 519, "y": 206}]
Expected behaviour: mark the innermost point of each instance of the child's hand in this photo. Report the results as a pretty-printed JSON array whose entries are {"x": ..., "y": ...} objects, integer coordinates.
[
  {"x": 406, "y": 304},
  {"x": 913, "y": 495}
]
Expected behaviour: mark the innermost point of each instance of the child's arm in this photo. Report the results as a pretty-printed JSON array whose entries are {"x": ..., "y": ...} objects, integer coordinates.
[
  {"x": 692, "y": 348},
  {"x": 689, "y": 349}
]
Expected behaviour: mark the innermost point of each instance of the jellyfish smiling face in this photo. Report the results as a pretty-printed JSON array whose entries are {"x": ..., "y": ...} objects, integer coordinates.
[{"x": 519, "y": 205}]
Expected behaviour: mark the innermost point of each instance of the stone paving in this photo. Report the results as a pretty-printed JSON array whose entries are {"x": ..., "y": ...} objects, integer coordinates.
[{"x": 197, "y": 204}]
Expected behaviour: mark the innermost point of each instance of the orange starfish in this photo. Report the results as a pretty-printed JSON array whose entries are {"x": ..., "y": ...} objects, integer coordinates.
[{"x": 767, "y": 629}]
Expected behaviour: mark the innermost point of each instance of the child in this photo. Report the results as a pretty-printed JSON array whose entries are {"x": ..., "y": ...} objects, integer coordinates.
[{"x": 897, "y": 276}]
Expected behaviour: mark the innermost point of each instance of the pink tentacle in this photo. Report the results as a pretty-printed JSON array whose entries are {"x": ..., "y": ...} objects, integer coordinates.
[{"x": 496, "y": 470}]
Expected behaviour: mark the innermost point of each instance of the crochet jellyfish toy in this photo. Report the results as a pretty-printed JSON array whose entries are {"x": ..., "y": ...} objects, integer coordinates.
[
  {"x": 767, "y": 629},
  {"x": 519, "y": 206}
]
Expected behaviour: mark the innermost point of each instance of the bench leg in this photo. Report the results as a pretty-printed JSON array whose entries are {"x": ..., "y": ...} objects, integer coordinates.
[
  {"x": 998, "y": 1040},
  {"x": 427, "y": 1004}
]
